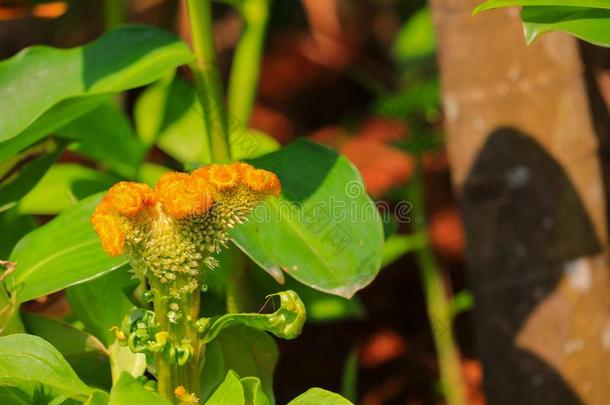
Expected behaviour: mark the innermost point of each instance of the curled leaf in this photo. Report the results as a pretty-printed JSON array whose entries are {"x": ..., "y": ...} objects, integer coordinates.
[{"x": 287, "y": 322}]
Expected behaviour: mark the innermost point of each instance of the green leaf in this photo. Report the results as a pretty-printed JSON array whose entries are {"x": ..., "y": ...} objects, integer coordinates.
[
  {"x": 324, "y": 230},
  {"x": 98, "y": 398},
  {"x": 102, "y": 303},
  {"x": 24, "y": 171},
  {"x": 123, "y": 360},
  {"x": 27, "y": 360},
  {"x": 105, "y": 135},
  {"x": 588, "y": 24},
  {"x": 585, "y": 19},
  {"x": 253, "y": 391},
  {"x": 491, "y": 4},
  {"x": 62, "y": 187},
  {"x": 248, "y": 352},
  {"x": 316, "y": 396},
  {"x": 229, "y": 392},
  {"x": 128, "y": 391},
  {"x": 287, "y": 322},
  {"x": 49, "y": 84},
  {"x": 61, "y": 253},
  {"x": 85, "y": 354}
]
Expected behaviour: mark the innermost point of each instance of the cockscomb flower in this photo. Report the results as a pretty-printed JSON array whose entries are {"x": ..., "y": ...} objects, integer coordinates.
[{"x": 172, "y": 231}]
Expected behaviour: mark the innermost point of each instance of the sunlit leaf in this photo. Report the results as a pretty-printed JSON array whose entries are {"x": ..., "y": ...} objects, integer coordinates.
[
  {"x": 29, "y": 363},
  {"x": 43, "y": 88},
  {"x": 319, "y": 396},
  {"x": 128, "y": 391},
  {"x": 324, "y": 230},
  {"x": 63, "y": 252},
  {"x": 229, "y": 392}
]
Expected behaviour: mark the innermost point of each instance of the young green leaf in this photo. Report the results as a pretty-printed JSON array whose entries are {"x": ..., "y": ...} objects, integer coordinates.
[
  {"x": 248, "y": 352},
  {"x": 54, "y": 86},
  {"x": 324, "y": 230},
  {"x": 27, "y": 361},
  {"x": 287, "y": 322},
  {"x": 229, "y": 392},
  {"x": 128, "y": 391},
  {"x": 61, "y": 253},
  {"x": 315, "y": 396},
  {"x": 253, "y": 391}
]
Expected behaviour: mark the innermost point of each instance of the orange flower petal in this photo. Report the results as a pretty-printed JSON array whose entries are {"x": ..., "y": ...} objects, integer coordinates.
[
  {"x": 182, "y": 195},
  {"x": 262, "y": 181},
  {"x": 109, "y": 228},
  {"x": 223, "y": 177},
  {"x": 130, "y": 198}
]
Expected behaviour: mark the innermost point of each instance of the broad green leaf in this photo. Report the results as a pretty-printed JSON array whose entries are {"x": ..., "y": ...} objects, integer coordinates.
[
  {"x": 248, "y": 352},
  {"x": 253, "y": 391},
  {"x": 229, "y": 392},
  {"x": 50, "y": 83},
  {"x": 10, "y": 318},
  {"x": 316, "y": 396},
  {"x": 85, "y": 354},
  {"x": 62, "y": 187},
  {"x": 491, "y": 4},
  {"x": 324, "y": 230},
  {"x": 286, "y": 322},
  {"x": 102, "y": 303},
  {"x": 25, "y": 170},
  {"x": 588, "y": 24},
  {"x": 129, "y": 391},
  {"x": 169, "y": 114},
  {"x": 61, "y": 253},
  {"x": 105, "y": 135},
  {"x": 27, "y": 360}
]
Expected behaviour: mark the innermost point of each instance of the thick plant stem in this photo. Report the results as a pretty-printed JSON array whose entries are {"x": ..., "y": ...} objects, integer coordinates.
[
  {"x": 438, "y": 302},
  {"x": 207, "y": 79},
  {"x": 246, "y": 62},
  {"x": 170, "y": 374},
  {"x": 114, "y": 13}
]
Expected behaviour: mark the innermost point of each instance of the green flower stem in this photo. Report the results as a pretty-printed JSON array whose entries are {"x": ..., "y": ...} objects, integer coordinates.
[
  {"x": 246, "y": 61},
  {"x": 170, "y": 374},
  {"x": 114, "y": 13},
  {"x": 207, "y": 79},
  {"x": 437, "y": 301}
]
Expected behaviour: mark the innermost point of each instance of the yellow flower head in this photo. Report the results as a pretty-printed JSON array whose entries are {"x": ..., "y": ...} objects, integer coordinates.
[{"x": 176, "y": 228}]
